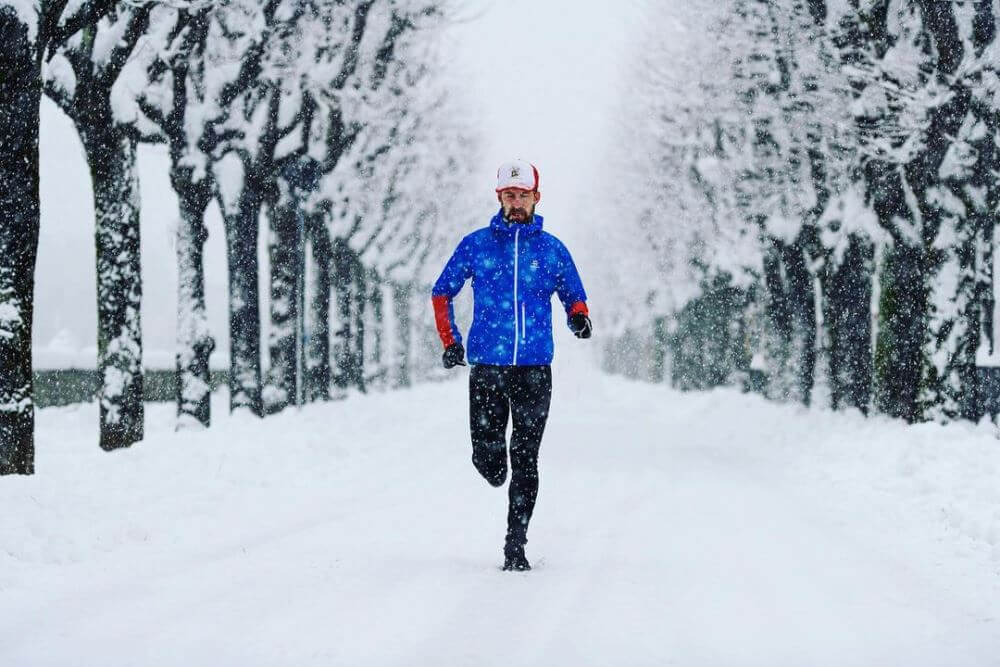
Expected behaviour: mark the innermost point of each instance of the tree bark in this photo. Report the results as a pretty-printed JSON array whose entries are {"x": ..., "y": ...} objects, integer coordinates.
[
  {"x": 902, "y": 313},
  {"x": 282, "y": 383},
  {"x": 658, "y": 363},
  {"x": 791, "y": 323},
  {"x": 349, "y": 290},
  {"x": 376, "y": 334},
  {"x": 20, "y": 96},
  {"x": 847, "y": 293},
  {"x": 194, "y": 340},
  {"x": 111, "y": 156},
  {"x": 242, "y": 223},
  {"x": 401, "y": 303},
  {"x": 318, "y": 350},
  {"x": 360, "y": 303}
]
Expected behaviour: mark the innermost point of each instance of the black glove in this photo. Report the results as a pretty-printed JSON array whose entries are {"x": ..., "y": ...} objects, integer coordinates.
[
  {"x": 579, "y": 324},
  {"x": 454, "y": 355}
]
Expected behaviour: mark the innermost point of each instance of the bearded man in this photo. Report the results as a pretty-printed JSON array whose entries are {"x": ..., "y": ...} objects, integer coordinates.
[{"x": 515, "y": 269}]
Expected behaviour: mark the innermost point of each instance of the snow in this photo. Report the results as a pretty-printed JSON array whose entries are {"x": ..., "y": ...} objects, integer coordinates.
[
  {"x": 784, "y": 227},
  {"x": 683, "y": 529},
  {"x": 60, "y": 72},
  {"x": 272, "y": 395},
  {"x": 109, "y": 36},
  {"x": 114, "y": 383},
  {"x": 229, "y": 178},
  {"x": 27, "y": 13},
  {"x": 847, "y": 214},
  {"x": 10, "y": 319},
  {"x": 288, "y": 145},
  {"x": 124, "y": 92},
  {"x": 194, "y": 388},
  {"x": 17, "y": 406},
  {"x": 691, "y": 529}
]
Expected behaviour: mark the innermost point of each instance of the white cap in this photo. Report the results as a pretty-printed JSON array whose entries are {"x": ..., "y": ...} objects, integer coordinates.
[{"x": 517, "y": 174}]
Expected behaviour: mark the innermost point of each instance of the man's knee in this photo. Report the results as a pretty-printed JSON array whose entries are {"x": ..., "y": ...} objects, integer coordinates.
[
  {"x": 490, "y": 459},
  {"x": 524, "y": 458}
]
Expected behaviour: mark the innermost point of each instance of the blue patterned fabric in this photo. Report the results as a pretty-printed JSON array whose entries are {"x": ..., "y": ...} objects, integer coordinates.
[{"x": 511, "y": 327}]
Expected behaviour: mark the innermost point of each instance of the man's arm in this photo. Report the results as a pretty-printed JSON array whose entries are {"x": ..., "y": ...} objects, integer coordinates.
[
  {"x": 569, "y": 286},
  {"x": 448, "y": 285}
]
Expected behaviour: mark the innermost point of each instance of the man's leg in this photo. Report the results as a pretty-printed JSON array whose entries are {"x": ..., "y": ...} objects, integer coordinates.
[
  {"x": 488, "y": 410},
  {"x": 530, "y": 393}
]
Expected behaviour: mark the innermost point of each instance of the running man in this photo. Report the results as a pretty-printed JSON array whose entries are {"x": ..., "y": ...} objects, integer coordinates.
[{"x": 515, "y": 268}]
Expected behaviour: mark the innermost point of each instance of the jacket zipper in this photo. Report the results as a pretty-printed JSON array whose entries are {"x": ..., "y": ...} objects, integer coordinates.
[{"x": 516, "y": 233}]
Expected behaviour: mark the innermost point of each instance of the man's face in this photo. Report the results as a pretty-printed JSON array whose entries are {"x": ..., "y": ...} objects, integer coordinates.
[{"x": 518, "y": 205}]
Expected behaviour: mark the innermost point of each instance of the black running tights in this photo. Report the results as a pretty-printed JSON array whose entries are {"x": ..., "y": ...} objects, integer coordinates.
[{"x": 523, "y": 392}]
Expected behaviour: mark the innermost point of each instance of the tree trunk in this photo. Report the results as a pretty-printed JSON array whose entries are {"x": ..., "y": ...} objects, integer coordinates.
[
  {"x": 194, "y": 340},
  {"x": 959, "y": 294},
  {"x": 401, "y": 303},
  {"x": 282, "y": 382},
  {"x": 241, "y": 215},
  {"x": 847, "y": 294},
  {"x": 902, "y": 313},
  {"x": 20, "y": 96},
  {"x": 376, "y": 334},
  {"x": 955, "y": 318},
  {"x": 791, "y": 323},
  {"x": 904, "y": 196},
  {"x": 111, "y": 156},
  {"x": 349, "y": 290},
  {"x": 658, "y": 363},
  {"x": 318, "y": 350},
  {"x": 359, "y": 302}
]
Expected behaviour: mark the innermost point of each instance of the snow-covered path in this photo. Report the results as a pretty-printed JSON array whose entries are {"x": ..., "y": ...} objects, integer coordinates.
[{"x": 709, "y": 529}]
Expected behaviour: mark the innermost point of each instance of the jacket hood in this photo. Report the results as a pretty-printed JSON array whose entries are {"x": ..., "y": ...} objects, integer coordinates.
[{"x": 501, "y": 226}]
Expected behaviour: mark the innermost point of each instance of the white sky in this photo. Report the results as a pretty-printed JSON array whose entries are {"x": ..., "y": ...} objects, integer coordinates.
[
  {"x": 540, "y": 75},
  {"x": 543, "y": 75}
]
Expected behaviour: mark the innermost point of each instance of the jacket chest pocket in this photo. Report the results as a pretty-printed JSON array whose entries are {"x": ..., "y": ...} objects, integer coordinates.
[{"x": 537, "y": 277}]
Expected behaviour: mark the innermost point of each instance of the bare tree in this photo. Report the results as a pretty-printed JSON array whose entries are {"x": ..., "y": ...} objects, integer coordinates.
[
  {"x": 94, "y": 78},
  {"x": 28, "y": 32}
]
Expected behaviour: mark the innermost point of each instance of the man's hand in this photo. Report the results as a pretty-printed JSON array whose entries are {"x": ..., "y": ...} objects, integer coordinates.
[
  {"x": 579, "y": 324},
  {"x": 454, "y": 355}
]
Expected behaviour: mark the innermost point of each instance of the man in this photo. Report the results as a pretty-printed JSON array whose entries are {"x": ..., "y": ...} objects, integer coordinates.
[{"x": 515, "y": 267}]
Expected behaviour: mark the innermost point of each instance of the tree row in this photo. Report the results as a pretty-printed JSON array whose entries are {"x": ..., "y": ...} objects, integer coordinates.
[
  {"x": 818, "y": 202},
  {"x": 327, "y": 123}
]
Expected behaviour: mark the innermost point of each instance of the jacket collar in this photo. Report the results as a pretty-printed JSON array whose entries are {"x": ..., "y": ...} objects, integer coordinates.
[{"x": 501, "y": 226}]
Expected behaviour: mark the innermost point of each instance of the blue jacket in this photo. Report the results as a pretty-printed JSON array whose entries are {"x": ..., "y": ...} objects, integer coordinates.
[{"x": 515, "y": 268}]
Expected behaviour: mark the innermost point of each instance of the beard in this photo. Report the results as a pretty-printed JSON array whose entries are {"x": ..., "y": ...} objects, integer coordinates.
[{"x": 520, "y": 215}]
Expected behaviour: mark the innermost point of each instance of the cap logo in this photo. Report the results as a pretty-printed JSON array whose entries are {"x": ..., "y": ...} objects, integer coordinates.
[{"x": 513, "y": 175}]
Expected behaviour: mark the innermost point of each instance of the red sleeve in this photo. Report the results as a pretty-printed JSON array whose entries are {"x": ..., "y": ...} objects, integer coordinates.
[
  {"x": 442, "y": 318},
  {"x": 578, "y": 307}
]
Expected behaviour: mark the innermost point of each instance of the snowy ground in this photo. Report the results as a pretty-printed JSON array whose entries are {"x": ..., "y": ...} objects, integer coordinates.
[{"x": 696, "y": 529}]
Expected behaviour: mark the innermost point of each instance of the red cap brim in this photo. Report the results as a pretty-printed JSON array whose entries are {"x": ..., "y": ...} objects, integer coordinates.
[{"x": 515, "y": 187}]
